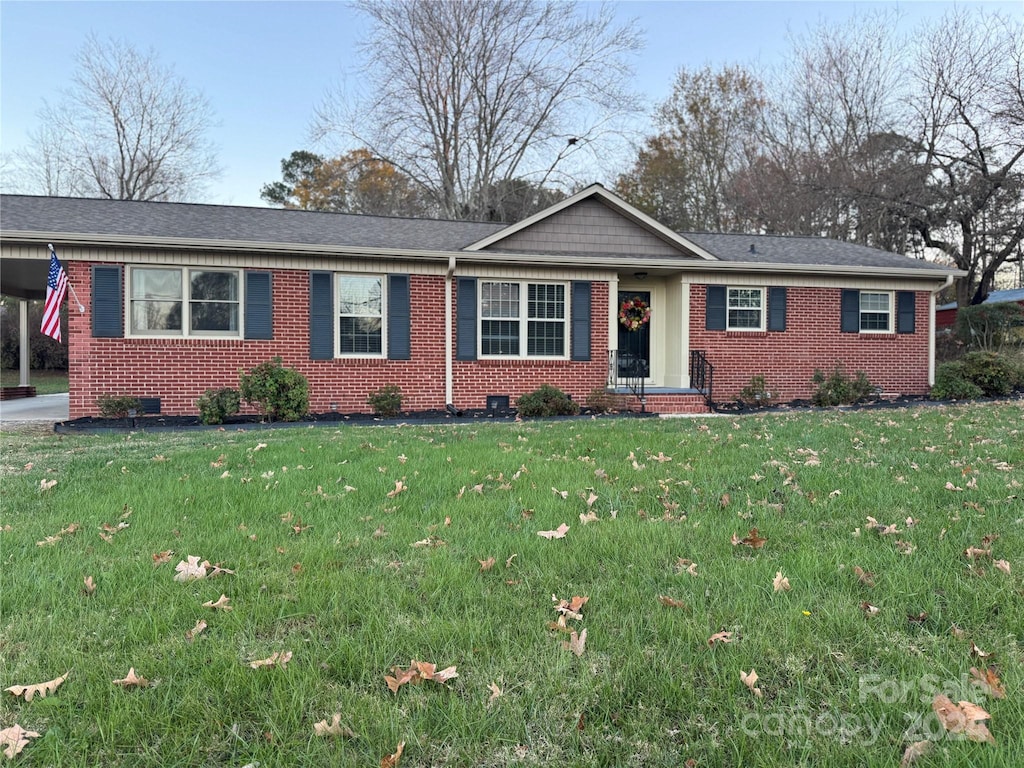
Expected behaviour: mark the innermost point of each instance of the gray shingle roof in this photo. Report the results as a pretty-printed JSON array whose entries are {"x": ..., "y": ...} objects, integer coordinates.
[
  {"x": 791, "y": 249},
  {"x": 189, "y": 221},
  {"x": 106, "y": 219}
]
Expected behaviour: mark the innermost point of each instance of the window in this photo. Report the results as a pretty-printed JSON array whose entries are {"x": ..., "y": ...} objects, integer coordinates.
[
  {"x": 745, "y": 309},
  {"x": 174, "y": 301},
  {"x": 361, "y": 315},
  {"x": 522, "y": 319},
  {"x": 875, "y": 312}
]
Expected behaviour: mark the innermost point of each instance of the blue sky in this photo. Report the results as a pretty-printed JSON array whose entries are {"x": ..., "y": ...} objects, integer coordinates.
[{"x": 264, "y": 66}]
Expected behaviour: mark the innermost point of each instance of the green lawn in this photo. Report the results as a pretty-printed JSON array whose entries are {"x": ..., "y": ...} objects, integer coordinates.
[
  {"x": 360, "y": 549},
  {"x": 45, "y": 382}
]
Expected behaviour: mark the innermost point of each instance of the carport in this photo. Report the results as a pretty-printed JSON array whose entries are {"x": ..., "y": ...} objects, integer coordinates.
[{"x": 24, "y": 278}]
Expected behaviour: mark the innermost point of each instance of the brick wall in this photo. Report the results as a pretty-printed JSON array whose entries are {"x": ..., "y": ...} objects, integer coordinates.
[
  {"x": 896, "y": 362},
  {"x": 178, "y": 370},
  {"x": 474, "y": 381}
]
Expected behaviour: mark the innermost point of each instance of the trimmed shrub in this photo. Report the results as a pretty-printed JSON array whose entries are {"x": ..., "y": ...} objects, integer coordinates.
[
  {"x": 600, "y": 400},
  {"x": 386, "y": 401},
  {"x": 837, "y": 388},
  {"x": 118, "y": 406},
  {"x": 951, "y": 383},
  {"x": 281, "y": 394},
  {"x": 756, "y": 393},
  {"x": 546, "y": 400},
  {"x": 989, "y": 327},
  {"x": 215, "y": 405},
  {"x": 996, "y": 375}
]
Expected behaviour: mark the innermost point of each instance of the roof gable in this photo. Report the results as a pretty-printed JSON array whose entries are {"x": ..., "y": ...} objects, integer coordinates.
[{"x": 593, "y": 221}]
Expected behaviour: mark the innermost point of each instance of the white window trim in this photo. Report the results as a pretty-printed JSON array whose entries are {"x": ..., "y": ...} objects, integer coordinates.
[
  {"x": 523, "y": 320},
  {"x": 763, "y": 310},
  {"x": 383, "y": 354},
  {"x": 186, "y": 308},
  {"x": 892, "y": 309}
]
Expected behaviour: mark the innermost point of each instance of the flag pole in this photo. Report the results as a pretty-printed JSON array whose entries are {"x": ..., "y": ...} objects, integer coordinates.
[{"x": 81, "y": 307}]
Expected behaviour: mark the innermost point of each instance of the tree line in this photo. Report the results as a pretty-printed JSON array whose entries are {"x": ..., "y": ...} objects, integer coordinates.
[{"x": 494, "y": 109}]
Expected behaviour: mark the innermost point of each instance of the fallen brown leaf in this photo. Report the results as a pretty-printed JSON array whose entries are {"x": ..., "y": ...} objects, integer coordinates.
[
  {"x": 496, "y": 692},
  {"x": 558, "y": 533},
  {"x": 749, "y": 679},
  {"x": 391, "y": 761},
  {"x": 15, "y": 739},
  {"x": 132, "y": 679},
  {"x": 989, "y": 682},
  {"x": 963, "y": 718},
  {"x": 577, "y": 642},
  {"x": 220, "y": 604},
  {"x": 277, "y": 659},
  {"x": 720, "y": 637},
  {"x": 28, "y": 692},
  {"x": 914, "y": 751},
  {"x": 335, "y": 729}
]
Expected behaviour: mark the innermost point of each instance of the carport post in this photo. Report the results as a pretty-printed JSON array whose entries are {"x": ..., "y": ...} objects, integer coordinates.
[{"x": 23, "y": 346}]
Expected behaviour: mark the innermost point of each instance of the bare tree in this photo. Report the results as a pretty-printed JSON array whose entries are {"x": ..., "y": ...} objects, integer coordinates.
[
  {"x": 906, "y": 144},
  {"x": 709, "y": 132},
  {"x": 970, "y": 134},
  {"x": 127, "y": 128},
  {"x": 467, "y": 96}
]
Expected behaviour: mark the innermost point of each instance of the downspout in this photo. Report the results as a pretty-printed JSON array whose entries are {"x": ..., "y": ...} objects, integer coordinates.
[
  {"x": 931, "y": 328},
  {"x": 449, "y": 385}
]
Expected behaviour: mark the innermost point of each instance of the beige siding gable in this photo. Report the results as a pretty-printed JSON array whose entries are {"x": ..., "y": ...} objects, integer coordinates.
[{"x": 589, "y": 226}]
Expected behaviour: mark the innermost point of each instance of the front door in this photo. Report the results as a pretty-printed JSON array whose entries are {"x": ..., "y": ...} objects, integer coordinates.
[{"x": 634, "y": 356}]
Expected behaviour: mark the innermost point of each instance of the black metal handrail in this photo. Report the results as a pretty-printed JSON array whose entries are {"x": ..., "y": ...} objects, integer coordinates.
[
  {"x": 702, "y": 375},
  {"x": 627, "y": 370}
]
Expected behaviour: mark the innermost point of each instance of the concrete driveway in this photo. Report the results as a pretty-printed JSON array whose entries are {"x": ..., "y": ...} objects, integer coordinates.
[{"x": 42, "y": 408}]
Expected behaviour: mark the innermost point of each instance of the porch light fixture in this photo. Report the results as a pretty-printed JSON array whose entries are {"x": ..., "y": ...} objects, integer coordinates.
[{"x": 640, "y": 275}]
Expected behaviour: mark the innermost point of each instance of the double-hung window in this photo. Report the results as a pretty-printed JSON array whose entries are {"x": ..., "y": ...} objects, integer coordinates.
[
  {"x": 361, "y": 315},
  {"x": 875, "y": 312},
  {"x": 522, "y": 319},
  {"x": 178, "y": 301},
  {"x": 745, "y": 309}
]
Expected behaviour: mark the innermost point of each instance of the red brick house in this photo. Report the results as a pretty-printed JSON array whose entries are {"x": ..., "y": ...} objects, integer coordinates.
[{"x": 178, "y": 298}]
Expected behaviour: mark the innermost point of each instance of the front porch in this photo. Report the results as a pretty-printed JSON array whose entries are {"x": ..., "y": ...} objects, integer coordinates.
[{"x": 628, "y": 377}]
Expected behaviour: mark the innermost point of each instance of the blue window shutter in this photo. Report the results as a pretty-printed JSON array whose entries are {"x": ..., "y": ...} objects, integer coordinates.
[
  {"x": 851, "y": 312},
  {"x": 905, "y": 312},
  {"x": 258, "y": 312},
  {"x": 107, "y": 302},
  {"x": 321, "y": 316},
  {"x": 465, "y": 321},
  {"x": 580, "y": 320},
  {"x": 714, "y": 311},
  {"x": 399, "y": 318},
  {"x": 776, "y": 309}
]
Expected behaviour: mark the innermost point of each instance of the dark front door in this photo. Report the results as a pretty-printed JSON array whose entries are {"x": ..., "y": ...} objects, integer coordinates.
[{"x": 635, "y": 346}]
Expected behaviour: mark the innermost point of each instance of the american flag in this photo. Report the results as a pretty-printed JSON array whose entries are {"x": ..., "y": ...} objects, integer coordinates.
[{"x": 56, "y": 290}]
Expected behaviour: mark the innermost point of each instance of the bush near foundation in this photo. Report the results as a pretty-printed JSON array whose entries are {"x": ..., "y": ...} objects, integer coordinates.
[
  {"x": 281, "y": 394},
  {"x": 386, "y": 401},
  {"x": 837, "y": 388},
  {"x": 546, "y": 400},
  {"x": 215, "y": 405}
]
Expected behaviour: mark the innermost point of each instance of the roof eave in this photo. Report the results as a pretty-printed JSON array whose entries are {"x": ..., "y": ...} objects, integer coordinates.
[{"x": 607, "y": 262}]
